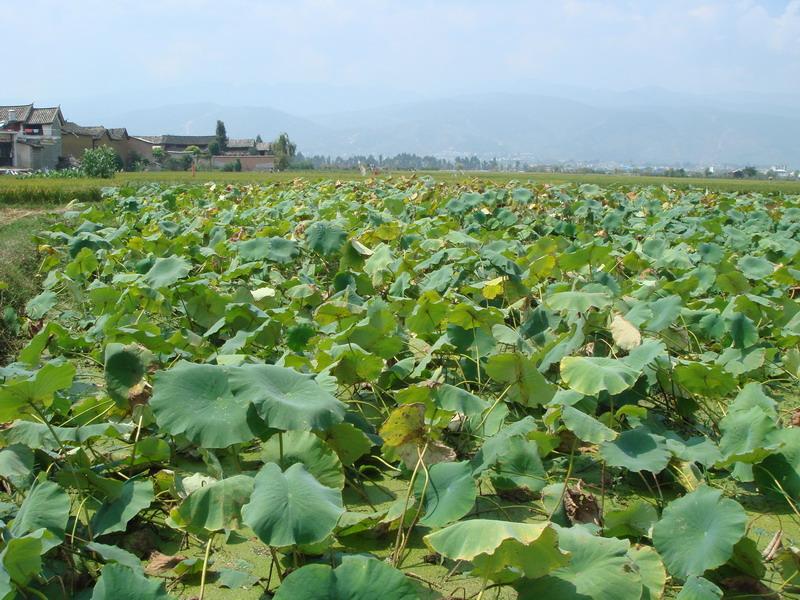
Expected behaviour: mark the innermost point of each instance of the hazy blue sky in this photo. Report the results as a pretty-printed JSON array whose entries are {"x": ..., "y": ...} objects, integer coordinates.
[{"x": 85, "y": 48}]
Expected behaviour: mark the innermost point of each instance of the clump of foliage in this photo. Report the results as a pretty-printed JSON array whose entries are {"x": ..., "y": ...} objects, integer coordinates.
[
  {"x": 552, "y": 391},
  {"x": 101, "y": 162},
  {"x": 284, "y": 150},
  {"x": 222, "y": 137},
  {"x": 68, "y": 173},
  {"x": 233, "y": 166},
  {"x": 19, "y": 262}
]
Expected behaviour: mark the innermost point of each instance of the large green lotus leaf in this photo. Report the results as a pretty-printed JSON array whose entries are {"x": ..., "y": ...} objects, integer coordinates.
[
  {"x": 755, "y": 267},
  {"x": 304, "y": 447},
  {"x": 38, "y": 306},
  {"x": 16, "y": 465},
  {"x": 135, "y": 496},
  {"x": 428, "y": 313},
  {"x": 455, "y": 399},
  {"x": 747, "y": 435},
  {"x": 286, "y": 399},
  {"x": 751, "y": 395},
  {"x": 167, "y": 271},
  {"x": 637, "y": 450},
  {"x": 598, "y": 569},
  {"x": 46, "y": 506},
  {"x": 698, "y": 588},
  {"x": 37, "y": 388},
  {"x": 275, "y": 249},
  {"x": 494, "y": 446},
  {"x": 214, "y": 506},
  {"x": 592, "y": 375},
  {"x": 291, "y": 507},
  {"x": 635, "y": 520},
  {"x": 643, "y": 355},
  {"x": 665, "y": 311},
  {"x": 738, "y": 361},
  {"x": 699, "y": 449},
  {"x": 118, "y": 582},
  {"x": 197, "y": 401},
  {"x": 578, "y": 301},
  {"x": 779, "y": 473},
  {"x": 743, "y": 331},
  {"x": 519, "y": 466},
  {"x": 495, "y": 548},
  {"x": 357, "y": 578},
  {"x": 449, "y": 495},
  {"x": 528, "y": 386},
  {"x": 586, "y": 427},
  {"x": 704, "y": 380},
  {"x": 348, "y": 441},
  {"x": 651, "y": 571},
  {"x": 22, "y": 559},
  {"x": 115, "y": 554},
  {"x": 469, "y": 316},
  {"x": 698, "y": 532},
  {"x": 325, "y": 237},
  {"x": 39, "y": 435},
  {"x": 125, "y": 367}
]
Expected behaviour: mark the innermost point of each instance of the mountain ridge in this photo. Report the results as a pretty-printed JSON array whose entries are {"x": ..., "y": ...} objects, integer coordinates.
[{"x": 533, "y": 127}]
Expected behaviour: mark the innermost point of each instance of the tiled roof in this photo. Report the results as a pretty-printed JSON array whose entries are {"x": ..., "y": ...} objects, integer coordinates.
[
  {"x": 21, "y": 112},
  {"x": 263, "y": 146},
  {"x": 117, "y": 133},
  {"x": 241, "y": 143},
  {"x": 42, "y": 116},
  {"x": 150, "y": 139},
  {"x": 188, "y": 140},
  {"x": 95, "y": 131}
]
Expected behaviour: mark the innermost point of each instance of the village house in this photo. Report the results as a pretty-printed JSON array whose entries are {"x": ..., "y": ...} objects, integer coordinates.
[
  {"x": 177, "y": 143},
  {"x": 77, "y": 138},
  {"x": 252, "y": 156},
  {"x": 241, "y": 146},
  {"x": 30, "y": 138},
  {"x": 41, "y": 139}
]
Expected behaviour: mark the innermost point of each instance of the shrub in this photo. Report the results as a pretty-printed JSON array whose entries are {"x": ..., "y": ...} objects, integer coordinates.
[
  {"x": 234, "y": 166},
  {"x": 180, "y": 163},
  {"x": 101, "y": 162},
  {"x": 136, "y": 162}
]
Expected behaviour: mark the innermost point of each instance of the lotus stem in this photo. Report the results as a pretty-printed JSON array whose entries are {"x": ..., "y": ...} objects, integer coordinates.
[{"x": 205, "y": 567}]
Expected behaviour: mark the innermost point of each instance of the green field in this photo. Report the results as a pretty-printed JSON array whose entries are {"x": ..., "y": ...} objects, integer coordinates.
[
  {"x": 59, "y": 191},
  {"x": 403, "y": 388}
]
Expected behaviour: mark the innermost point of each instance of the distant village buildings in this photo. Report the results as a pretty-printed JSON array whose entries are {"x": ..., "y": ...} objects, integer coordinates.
[
  {"x": 30, "y": 137},
  {"x": 41, "y": 139}
]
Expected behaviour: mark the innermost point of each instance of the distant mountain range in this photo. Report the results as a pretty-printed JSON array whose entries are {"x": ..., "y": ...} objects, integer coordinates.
[{"x": 648, "y": 126}]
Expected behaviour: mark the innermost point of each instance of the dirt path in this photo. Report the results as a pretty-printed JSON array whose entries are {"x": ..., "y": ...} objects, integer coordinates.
[{"x": 12, "y": 213}]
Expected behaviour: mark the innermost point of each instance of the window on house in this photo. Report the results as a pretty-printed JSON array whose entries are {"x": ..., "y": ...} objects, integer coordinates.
[{"x": 32, "y": 130}]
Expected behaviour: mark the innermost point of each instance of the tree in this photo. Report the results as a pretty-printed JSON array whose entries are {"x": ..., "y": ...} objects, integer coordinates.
[
  {"x": 284, "y": 151},
  {"x": 101, "y": 162},
  {"x": 222, "y": 136},
  {"x": 259, "y": 140},
  {"x": 213, "y": 148},
  {"x": 158, "y": 154}
]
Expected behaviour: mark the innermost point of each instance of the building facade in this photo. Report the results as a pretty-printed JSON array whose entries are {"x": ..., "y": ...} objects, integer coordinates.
[{"x": 30, "y": 138}]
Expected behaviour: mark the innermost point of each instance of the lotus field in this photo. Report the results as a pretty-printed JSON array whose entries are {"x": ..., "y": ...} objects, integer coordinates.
[{"x": 404, "y": 389}]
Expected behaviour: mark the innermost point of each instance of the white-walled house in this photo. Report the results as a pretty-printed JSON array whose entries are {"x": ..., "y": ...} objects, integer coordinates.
[{"x": 30, "y": 138}]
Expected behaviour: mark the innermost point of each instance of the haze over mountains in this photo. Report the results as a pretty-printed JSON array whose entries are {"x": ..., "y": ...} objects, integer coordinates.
[{"x": 645, "y": 126}]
